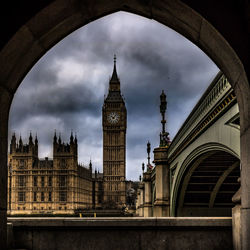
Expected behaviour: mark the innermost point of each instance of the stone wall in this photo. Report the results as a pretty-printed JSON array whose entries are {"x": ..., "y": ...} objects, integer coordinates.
[{"x": 121, "y": 233}]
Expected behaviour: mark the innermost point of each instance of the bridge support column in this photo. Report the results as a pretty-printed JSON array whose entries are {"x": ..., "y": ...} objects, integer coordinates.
[
  {"x": 148, "y": 195},
  {"x": 141, "y": 201},
  {"x": 162, "y": 182},
  {"x": 138, "y": 200}
]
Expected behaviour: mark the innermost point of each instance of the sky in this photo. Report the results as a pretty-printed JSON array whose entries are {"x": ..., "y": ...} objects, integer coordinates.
[{"x": 65, "y": 89}]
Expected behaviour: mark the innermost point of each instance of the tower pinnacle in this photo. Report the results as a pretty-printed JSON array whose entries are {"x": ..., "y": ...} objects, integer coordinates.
[{"x": 114, "y": 79}]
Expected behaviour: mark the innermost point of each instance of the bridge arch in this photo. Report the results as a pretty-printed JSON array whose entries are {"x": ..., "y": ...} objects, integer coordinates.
[
  {"x": 57, "y": 19},
  {"x": 206, "y": 182}
]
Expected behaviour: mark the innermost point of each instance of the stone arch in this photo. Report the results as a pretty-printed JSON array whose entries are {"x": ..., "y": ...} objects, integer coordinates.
[
  {"x": 59, "y": 18},
  {"x": 195, "y": 154},
  {"x": 199, "y": 160}
]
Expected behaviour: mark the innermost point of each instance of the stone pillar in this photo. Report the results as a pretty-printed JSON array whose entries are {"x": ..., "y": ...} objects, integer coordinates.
[
  {"x": 236, "y": 221},
  {"x": 162, "y": 183},
  {"x": 141, "y": 211},
  {"x": 245, "y": 185},
  {"x": 138, "y": 203},
  {"x": 147, "y": 195},
  {"x": 5, "y": 101}
]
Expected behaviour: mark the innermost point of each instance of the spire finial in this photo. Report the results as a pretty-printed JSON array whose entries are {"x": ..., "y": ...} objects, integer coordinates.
[
  {"x": 36, "y": 140},
  {"x": 114, "y": 78},
  {"x": 55, "y": 137},
  {"x": 20, "y": 139},
  {"x": 59, "y": 140},
  {"x": 71, "y": 137},
  {"x": 30, "y": 138}
]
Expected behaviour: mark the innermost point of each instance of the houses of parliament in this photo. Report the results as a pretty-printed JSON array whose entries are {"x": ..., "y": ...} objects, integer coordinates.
[{"x": 62, "y": 186}]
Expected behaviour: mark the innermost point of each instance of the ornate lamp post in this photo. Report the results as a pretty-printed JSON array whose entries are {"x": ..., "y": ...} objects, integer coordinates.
[
  {"x": 164, "y": 140},
  {"x": 148, "y": 151},
  {"x": 162, "y": 183}
]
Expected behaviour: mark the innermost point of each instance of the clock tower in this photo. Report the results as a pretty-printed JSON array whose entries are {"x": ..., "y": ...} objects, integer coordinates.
[{"x": 114, "y": 123}]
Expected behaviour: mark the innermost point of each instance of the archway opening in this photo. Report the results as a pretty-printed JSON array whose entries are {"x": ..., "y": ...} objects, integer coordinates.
[
  {"x": 56, "y": 21},
  {"x": 64, "y": 91},
  {"x": 208, "y": 185}
]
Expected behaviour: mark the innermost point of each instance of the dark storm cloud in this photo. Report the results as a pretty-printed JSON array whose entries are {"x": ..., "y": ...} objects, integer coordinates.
[{"x": 65, "y": 89}]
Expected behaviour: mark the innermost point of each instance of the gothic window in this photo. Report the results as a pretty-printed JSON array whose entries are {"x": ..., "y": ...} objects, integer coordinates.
[
  {"x": 34, "y": 196},
  {"x": 42, "y": 181},
  {"x": 63, "y": 163},
  {"x": 21, "y": 196},
  {"x": 99, "y": 199},
  {"x": 62, "y": 196},
  {"x": 21, "y": 163},
  {"x": 50, "y": 181},
  {"x": 42, "y": 196},
  {"x": 62, "y": 181},
  {"x": 21, "y": 181},
  {"x": 50, "y": 196},
  {"x": 35, "y": 181}
]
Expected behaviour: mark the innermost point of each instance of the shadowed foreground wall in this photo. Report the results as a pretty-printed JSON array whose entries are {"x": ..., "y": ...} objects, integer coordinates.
[{"x": 123, "y": 233}]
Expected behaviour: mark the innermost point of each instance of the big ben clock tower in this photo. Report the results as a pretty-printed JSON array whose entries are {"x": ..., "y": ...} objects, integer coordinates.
[{"x": 114, "y": 123}]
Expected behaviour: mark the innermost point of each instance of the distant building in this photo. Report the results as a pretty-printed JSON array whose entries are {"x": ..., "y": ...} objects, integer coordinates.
[
  {"x": 62, "y": 186},
  {"x": 47, "y": 186}
]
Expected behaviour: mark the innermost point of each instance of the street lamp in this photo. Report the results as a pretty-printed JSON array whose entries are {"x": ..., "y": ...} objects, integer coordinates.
[
  {"x": 164, "y": 140},
  {"x": 148, "y": 151}
]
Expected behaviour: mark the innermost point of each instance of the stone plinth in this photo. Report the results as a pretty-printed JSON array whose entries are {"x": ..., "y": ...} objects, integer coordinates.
[
  {"x": 162, "y": 182},
  {"x": 141, "y": 205},
  {"x": 148, "y": 194}
]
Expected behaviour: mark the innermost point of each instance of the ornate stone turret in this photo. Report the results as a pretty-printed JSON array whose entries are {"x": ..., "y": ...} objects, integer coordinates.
[
  {"x": 71, "y": 138},
  {"x": 23, "y": 155},
  {"x": 36, "y": 140},
  {"x": 60, "y": 147},
  {"x": 90, "y": 166},
  {"x": 30, "y": 139},
  {"x": 13, "y": 144},
  {"x": 20, "y": 141},
  {"x": 36, "y": 146},
  {"x": 55, "y": 139},
  {"x": 59, "y": 139}
]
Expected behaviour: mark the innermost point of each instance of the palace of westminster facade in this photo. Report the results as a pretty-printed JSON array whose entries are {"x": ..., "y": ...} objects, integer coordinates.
[{"x": 61, "y": 185}]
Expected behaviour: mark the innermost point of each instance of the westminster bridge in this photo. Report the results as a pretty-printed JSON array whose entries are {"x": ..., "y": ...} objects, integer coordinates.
[{"x": 201, "y": 171}]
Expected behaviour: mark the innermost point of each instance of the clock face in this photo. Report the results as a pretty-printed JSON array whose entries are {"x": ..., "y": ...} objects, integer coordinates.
[{"x": 113, "y": 117}]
